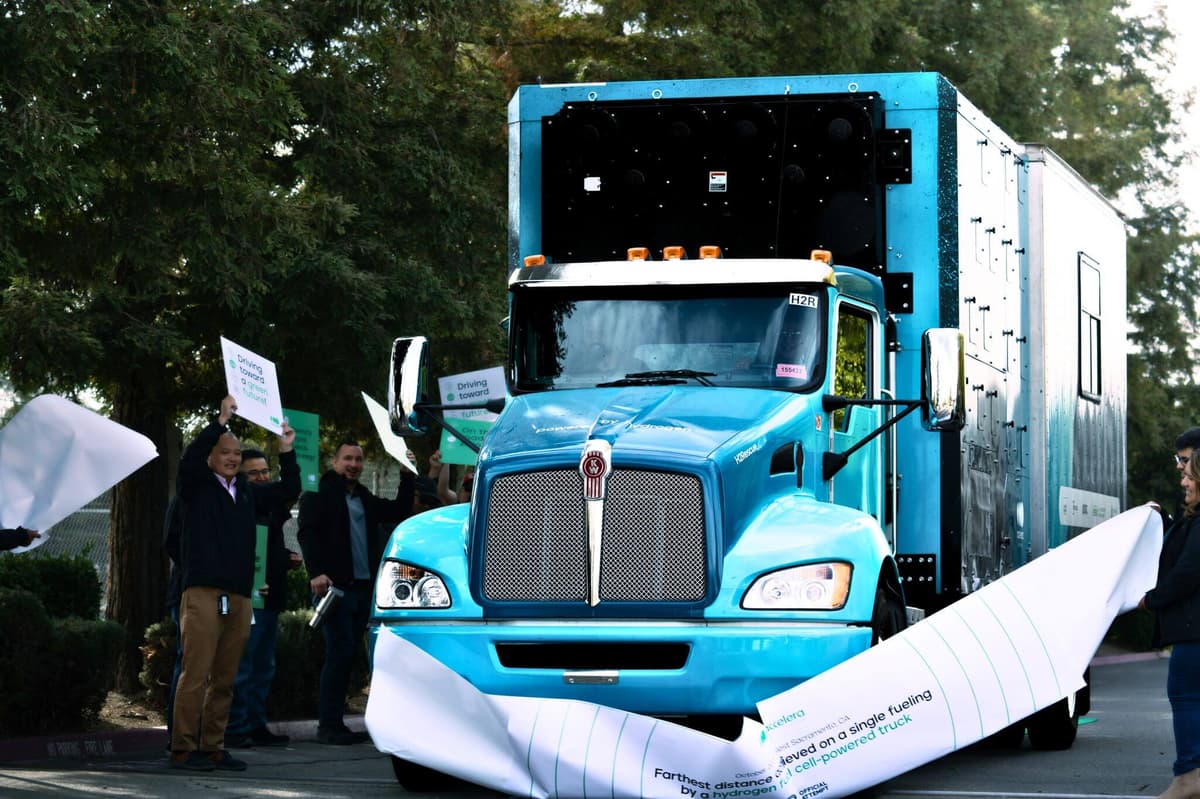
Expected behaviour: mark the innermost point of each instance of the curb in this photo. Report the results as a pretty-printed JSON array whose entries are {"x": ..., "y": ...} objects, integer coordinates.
[
  {"x": 108, "y": 743},
  {"x": 1130, "y": 657}
]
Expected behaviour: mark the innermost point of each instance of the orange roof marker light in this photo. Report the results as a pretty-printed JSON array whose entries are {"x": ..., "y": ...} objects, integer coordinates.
[
  {"x": 637, "y": 254},
  {"x": 535, "y": 260},
  {"x": 710, "y": 251},
  {"x": 674, "y": 253},
  {"x": 824, "y": 256}
]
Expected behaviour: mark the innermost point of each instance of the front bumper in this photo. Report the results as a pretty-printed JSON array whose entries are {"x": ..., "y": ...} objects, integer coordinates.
[{"x": 720, "y": 668}]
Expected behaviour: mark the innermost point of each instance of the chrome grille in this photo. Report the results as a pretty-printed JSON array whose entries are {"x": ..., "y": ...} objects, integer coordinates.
[{"x": 535, "y": 548}]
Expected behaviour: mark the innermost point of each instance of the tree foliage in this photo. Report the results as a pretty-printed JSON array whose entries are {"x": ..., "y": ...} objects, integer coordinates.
[{"x": 175, "y": 173}]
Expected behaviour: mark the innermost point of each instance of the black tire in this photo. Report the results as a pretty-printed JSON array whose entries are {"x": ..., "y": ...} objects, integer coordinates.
[
  {"x": 1054, "y": 728},
  {"x": 1011, "y": 737},
  {"x": 415, "y": 777},
  {"x": 888, "y": 617}
]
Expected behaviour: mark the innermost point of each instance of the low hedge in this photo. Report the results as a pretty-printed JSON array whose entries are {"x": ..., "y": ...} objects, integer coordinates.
[
  {"x": 56, "y": 672},
  {"x": 67, "y": 586}
]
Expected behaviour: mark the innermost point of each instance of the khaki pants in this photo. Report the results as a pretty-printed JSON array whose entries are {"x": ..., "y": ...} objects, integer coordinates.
[{"x": 212, "y": 648}]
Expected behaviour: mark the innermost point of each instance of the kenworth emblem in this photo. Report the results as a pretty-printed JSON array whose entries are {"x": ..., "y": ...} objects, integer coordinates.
[{"x": 595, "y": 466}]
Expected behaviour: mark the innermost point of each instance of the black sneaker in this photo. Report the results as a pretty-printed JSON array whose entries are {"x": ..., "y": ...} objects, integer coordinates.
[
  {"x": 340, "y": 736},
  {"x": 225, "y": 761},
  {"x": 264, "y": 737},
  {"x": 192, "y": 761},
  {"x": 238, "y": 740}
]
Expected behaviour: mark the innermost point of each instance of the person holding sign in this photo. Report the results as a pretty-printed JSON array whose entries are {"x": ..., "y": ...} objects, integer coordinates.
[
  {"x": 216, "y": 566},
  {"x": 340, "y": 535},
  {"x": 1175, "y": 603},
  {"x": 248, "y": 713}
]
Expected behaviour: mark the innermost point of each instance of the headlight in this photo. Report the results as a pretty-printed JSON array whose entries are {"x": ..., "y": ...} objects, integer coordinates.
[
  {"x": 816, "y": 586},
  {"x": 402, "y": 585}
]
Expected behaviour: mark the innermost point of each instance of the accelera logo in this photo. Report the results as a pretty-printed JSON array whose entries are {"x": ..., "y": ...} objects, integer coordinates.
[{"x": 784, "y": 719}]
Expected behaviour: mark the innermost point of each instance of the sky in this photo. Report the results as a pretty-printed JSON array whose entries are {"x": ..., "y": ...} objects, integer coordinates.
[{"x": 1183, "y": 16}]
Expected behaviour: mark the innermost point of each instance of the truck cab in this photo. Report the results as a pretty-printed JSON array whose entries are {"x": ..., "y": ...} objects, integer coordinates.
[{"x": 676, "y": 513}]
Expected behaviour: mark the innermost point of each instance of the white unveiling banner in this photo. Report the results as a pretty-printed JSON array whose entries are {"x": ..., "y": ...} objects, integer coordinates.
[
  {"x": 56, "y": 456},
  {"x": 1015, "y": 646},
  {"x": 393, "y": 444}
]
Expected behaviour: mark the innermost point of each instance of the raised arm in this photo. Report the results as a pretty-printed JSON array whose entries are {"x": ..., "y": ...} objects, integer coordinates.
[{"x": 193, "y": 466}]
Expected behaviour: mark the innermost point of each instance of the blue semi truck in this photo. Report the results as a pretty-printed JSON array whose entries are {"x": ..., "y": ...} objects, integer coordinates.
[{"x": 792, "y": 361}]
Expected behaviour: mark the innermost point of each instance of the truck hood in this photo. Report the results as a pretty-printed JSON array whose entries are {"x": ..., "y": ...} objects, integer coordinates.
[{"x": 682, "y": 420}]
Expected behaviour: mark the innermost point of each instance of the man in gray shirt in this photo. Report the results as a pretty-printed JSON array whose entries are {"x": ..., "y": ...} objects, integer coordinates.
[{"x": 340, "y": 535}]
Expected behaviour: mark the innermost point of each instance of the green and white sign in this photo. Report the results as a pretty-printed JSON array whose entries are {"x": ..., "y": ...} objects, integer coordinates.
[
  {"x": 468, "y": 388},
  {"x": 474, "y": 430},
  {"x": 251, "y": 381},
  {"x": 307, "y": 445},
  {"x": 260, "y": 566}
]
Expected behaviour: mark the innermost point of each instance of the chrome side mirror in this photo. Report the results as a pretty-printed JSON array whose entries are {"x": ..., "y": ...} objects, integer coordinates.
[
  {"x": 943, "y": 367},
  {"x": 407, "y": 379}
]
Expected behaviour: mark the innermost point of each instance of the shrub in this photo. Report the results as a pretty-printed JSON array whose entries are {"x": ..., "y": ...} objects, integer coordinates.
[
  {"x": 57, "y": 672},
  {"x": 84, "y": 657},
  {"x": 66, "y": 585},
  {"x": 299, "y": 593},
  {"x": 158, "y": 662},
  {"x": 24, "y": 643}
]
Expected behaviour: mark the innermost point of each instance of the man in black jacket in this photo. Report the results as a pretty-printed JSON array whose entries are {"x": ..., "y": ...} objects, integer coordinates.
[
  {"x": 342, "y": 543},
  {"x": 248, "y": 713},
  {"x": 216, "y": 567}
]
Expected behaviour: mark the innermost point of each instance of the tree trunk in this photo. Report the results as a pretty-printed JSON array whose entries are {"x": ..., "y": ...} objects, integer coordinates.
[{"x": 137, "y": 565}]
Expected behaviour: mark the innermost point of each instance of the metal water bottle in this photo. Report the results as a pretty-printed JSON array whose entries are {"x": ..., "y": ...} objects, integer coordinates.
[{"x": 327, "y": 603}]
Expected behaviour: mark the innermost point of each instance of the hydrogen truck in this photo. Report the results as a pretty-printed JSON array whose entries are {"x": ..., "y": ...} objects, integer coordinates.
[{"x": 792, "y": 362}]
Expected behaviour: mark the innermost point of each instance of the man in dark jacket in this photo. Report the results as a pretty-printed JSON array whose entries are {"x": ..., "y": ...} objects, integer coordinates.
[
  {"x": 248, "y": 713},
  {"x": 216, "y": 567},
  {"x": 342, "y": 543}
]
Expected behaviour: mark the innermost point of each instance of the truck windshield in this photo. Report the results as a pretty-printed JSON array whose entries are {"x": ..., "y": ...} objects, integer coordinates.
[{"x": 760, "y": 336}]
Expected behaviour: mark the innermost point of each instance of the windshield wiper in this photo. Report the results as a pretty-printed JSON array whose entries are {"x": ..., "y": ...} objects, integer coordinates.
[{"x": 663, "y": 377}]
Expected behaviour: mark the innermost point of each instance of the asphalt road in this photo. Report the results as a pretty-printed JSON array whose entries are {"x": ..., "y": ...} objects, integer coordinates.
[{"x": 1124, "y": 750}]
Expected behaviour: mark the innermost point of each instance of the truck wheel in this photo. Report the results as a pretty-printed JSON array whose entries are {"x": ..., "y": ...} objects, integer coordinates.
[
  {"x": 1054, "y": 727},
  {"x": 415, "y": 777},
  {"x": 888, "y": 617},
  {"x": 1011, "y": 737}
]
